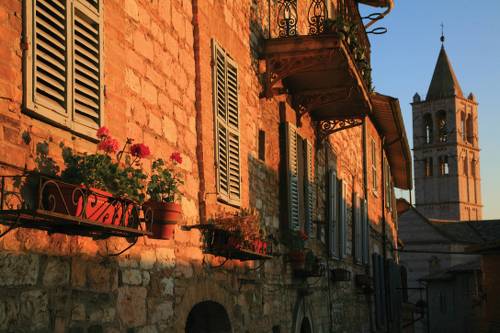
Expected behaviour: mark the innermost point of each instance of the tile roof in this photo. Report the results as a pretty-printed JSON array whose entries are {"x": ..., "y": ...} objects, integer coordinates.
[{"x": 444, "y": 83}]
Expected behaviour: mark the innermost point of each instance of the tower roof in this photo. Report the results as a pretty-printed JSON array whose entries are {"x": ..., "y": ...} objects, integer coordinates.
[{"x": 444, "y": 83}]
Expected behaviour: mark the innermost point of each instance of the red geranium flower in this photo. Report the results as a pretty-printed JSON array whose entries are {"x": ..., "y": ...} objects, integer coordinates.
[
  {"x": 303, "y": 235},
  {"x": 140, "y": 150},
  {"x": 103, "y": 132},
  {"x": 109, "y": 145},
  {"x": 176, "y": 157}
]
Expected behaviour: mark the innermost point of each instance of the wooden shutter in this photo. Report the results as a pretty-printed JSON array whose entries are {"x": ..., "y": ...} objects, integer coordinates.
[
  {"x": 332, "y": 215},
  {"x": 86, "y": 64},
  {"x": 292, "y": 176},
  {"x": 357, "y": 232},
  {"x": 225, "y": 77},
  {"x": 309, "y": 187},
  {"x": 379, "y": 284},
  {"x": 46, "y": 70},
  {"x": 365, "y": 232},
  {"x": 342, "y": 220}
]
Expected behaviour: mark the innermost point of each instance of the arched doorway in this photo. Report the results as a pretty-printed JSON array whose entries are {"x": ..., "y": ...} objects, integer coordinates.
[
  {"x": 208, "y": 317},
  {"x": 305, "y": 327}
]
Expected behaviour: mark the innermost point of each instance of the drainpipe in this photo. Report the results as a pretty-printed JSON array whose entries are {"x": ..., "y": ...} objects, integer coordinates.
[
  {"x": 199, "y": 124},
  {"x": 390, "y": 6}
]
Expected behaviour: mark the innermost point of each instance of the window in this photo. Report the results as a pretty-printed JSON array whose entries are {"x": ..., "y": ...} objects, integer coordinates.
[
  {"x": 463, "y": 127},
  {"x": 428, "y": 128},
  {"x": 444, "y": 167},
  {"x": 227, "y": 133},
  {"x": 299, "y": 180},
  {"x": 470, "y": 129},
  {"x": 63, "y": 76},
  {"x": 442, "y": 126},
  {"x": 262, "y": 145},
  {"x": 473, "y": 167},
  {"x": 466, "y": 165},
  {"x": 428, "y": 166},
  {"x": 387, "y": 185},
  {"x": 374, "y": 166},
  {"x": 337, "y": 215}
]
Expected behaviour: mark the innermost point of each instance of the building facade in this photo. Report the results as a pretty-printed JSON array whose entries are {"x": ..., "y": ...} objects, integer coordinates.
[
  {"x": 270, "y": 105},
  {"x": 446, "y": 148}
]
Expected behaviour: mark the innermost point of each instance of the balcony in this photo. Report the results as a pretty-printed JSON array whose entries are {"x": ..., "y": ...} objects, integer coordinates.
[{"x": 323, "y": 64}]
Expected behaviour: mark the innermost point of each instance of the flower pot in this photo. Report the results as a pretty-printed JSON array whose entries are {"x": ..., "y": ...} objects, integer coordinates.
[
  {"x": 100, "y": 206},
  {"x": 165, "y": 216},
  {"x": 297, "y": 259}
]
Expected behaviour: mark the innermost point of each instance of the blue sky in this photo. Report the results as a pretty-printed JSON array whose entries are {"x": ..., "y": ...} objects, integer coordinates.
[{"x": 403, "y": 61}]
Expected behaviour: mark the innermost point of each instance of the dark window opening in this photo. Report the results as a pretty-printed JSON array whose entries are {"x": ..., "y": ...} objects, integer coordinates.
[
  {"x": 306, "y": 326},
  {"x": 428, "y": 167},
  {"x": 262, "y": 145},
  {"x": 442, "y": 126},
  {"x": 428, "y": 128},
  {"x": 444, "y": 166},
  {"x": 470, "y": 129}
]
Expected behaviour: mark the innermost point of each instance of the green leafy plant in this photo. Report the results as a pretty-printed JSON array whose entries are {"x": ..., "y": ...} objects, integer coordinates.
[{"x": 165, "y": 179}]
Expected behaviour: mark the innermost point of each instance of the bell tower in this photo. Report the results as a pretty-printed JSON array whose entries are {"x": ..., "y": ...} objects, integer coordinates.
[{"x": 446, "y": 148}]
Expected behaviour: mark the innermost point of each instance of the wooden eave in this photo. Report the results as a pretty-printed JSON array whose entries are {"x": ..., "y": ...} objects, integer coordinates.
[
  {"x": 376, "y": 3},
  {"x": 389, "y": 121},
  {"x": 319, "y": 72}
]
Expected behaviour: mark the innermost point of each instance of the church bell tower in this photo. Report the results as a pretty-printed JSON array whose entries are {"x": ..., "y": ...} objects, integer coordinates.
[{"x": 446, "y": 148}]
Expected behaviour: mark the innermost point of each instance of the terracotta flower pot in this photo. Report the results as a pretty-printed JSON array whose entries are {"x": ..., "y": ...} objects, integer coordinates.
[{"x": 165, "y": 216}]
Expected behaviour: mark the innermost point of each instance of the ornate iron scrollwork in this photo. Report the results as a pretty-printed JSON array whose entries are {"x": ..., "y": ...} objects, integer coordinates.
[
  {"x": 287, "y": 18},
  {"x": 316, "y": 17},
  {"x": 327, "y": 127},
  {"x": 306, "y": 102}
]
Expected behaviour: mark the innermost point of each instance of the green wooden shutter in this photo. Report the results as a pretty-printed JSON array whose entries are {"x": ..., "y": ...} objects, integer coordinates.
[
  {"x": 309, "y": 187},
  {"x": 86, "y": 64},
  {"x": 365, "y": 232},
  {"x": 332, "y": 205},
  {"x": 225, "y": 78},
  {"x": 292, "y": 177},
  {"x": 47, "y": 82},
  {"x": 221, "y": 135},
  {"x": 357, "y": 232},
  {"x": 233, "y": 130},
  {"x": 342, "y": 220}
]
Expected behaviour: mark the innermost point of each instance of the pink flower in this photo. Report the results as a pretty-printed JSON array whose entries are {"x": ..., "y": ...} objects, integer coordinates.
[
  {"x": 109, "y": 145},
  {"x": 103, "y": 132},
  {"x": 176, "y": 157},
  {"x": 140, "y": 150}
]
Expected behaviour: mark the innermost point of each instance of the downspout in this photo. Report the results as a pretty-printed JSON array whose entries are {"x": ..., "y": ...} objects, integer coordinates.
[
  {"x": 390, "y": 6},
  {"x": 197, "y": 104}
]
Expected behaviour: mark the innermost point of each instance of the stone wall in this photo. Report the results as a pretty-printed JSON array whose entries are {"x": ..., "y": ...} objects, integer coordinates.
[{"x": 158, "y": 89}]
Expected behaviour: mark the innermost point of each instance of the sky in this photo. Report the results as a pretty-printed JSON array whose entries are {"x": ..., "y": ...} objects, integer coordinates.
[{"x": 404, "y": 58}]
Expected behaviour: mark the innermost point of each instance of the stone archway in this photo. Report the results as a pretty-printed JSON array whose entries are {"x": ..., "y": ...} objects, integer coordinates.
[
  {"x": 303, "y": 320},
  {"x": 208, "y": 317}
]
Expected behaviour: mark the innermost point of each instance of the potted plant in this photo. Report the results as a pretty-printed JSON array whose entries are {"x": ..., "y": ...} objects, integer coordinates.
[
  {"x": 295, "y": 241},
  {"x": 163, "y": 191}
]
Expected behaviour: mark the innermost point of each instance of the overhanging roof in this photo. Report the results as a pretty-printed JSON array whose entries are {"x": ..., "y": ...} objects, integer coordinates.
[
  {"x": 376, "y": 3},
  {"x": 388, "y": 118}
]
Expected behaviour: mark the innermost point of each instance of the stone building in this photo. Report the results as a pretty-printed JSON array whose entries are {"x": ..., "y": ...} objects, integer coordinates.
[
  {"x": 270, "y": 104},
  {"x": 446, "y": 148}
]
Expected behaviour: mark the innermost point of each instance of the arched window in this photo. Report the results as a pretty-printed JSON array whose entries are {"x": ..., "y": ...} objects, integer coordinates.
[
  {"x": 470, "y": 129},
  {"x": 473, "y": 167},
  {"x": 428, "y": 128},
  {"x": 463, "y": 127},
  {"x": 442, "y": 125},
  {"x": 444, "y": 167},
  {"x": 428, "y": 167},
  {"x": 209, "y": 317},
  {"x": 466, "y": 166}
]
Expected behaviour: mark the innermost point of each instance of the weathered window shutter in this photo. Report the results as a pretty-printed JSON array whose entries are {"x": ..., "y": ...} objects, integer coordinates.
[
  {"x": 332, "y": 205},
  {"x": 225, "y": 78},
  {"x": 342, "y": 219},
  {"x": 86, "y": 64},
  {"x": 379, "y": 284},
  {"x": 365, "y": 232},
  {"x": 309, "y": 187},
  {"x": 47, "y": 74},
  {"x": 357, "y": 231},
  {"x": 292, "y": 177},
  {"x": 63, "y": 62}
]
